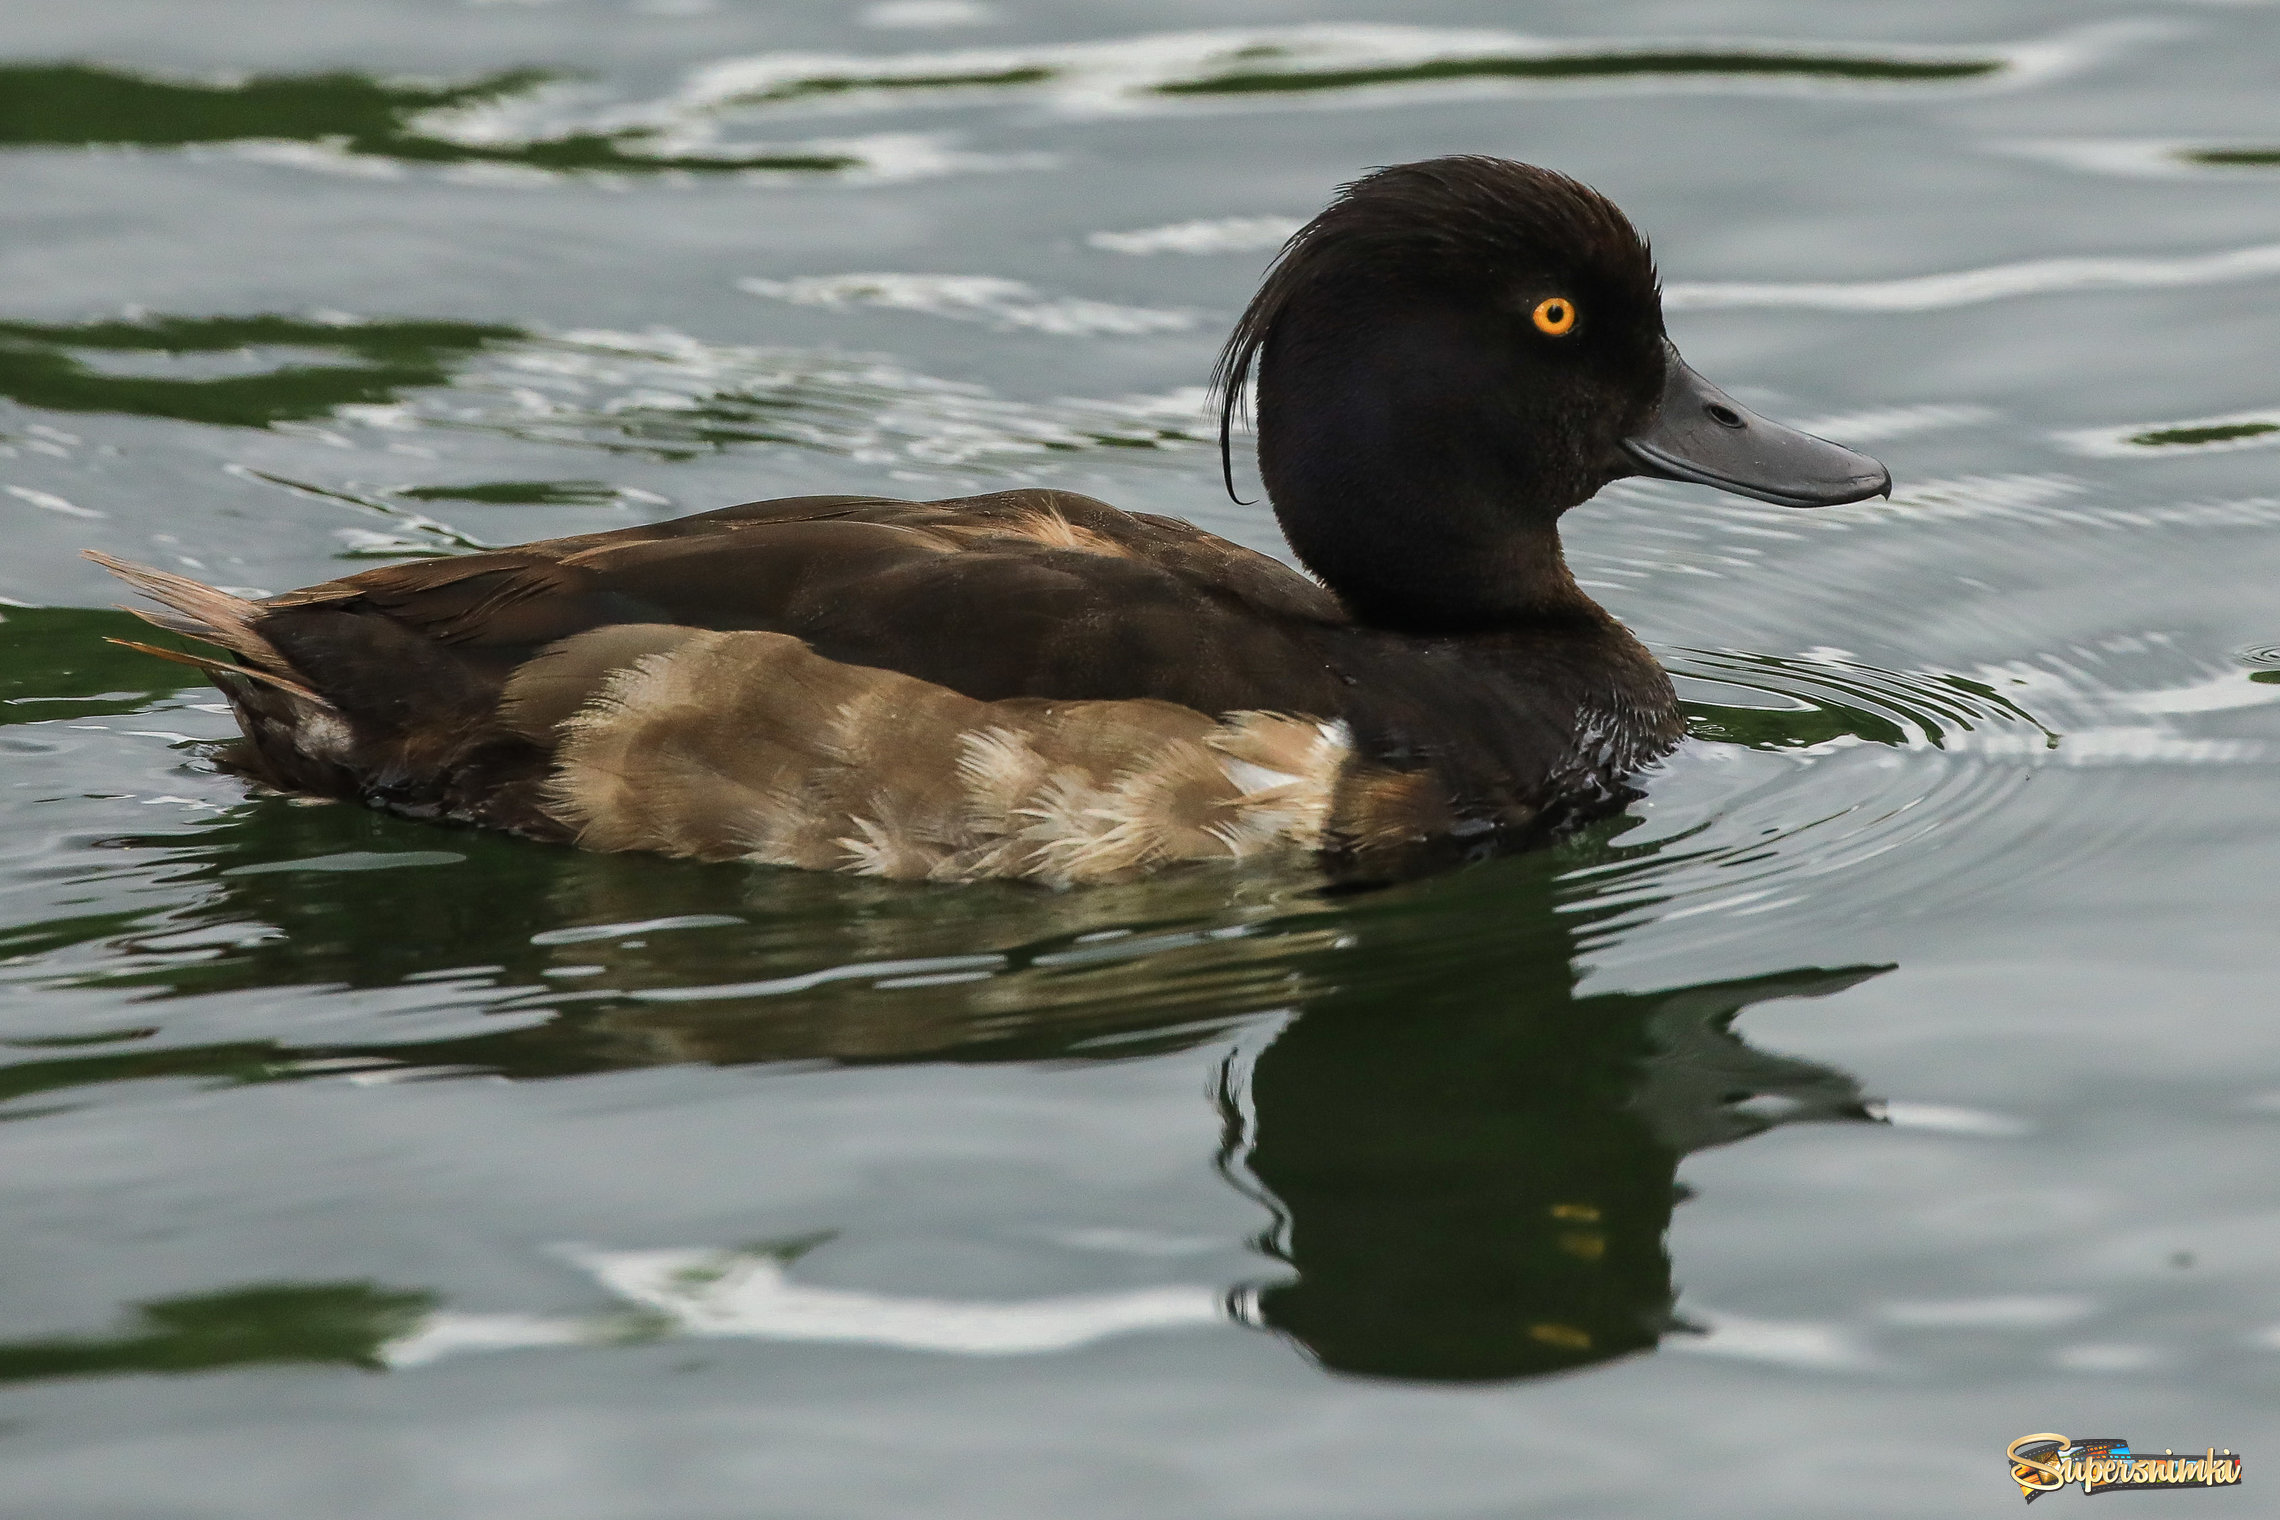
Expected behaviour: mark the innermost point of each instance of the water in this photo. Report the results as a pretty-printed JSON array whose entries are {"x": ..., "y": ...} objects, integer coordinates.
[{"x": 1898, "y": 1078}]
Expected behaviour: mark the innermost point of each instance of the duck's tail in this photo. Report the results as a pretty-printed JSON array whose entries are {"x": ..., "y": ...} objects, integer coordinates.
[
  {"x": 208, "y": 614},
  {"x": 279, "y": 711}
]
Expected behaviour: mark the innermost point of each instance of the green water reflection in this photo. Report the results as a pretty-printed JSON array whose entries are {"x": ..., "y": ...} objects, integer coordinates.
[
  {"x": 840, "y": 84},
  {"x": 1590, "y": 66},
  {"x": 56, "y": 105},
  {"x": 520, "y": 493},
  {"x": 57, "y": 665},
  {"x": 2258, "y": 158},
  {"x": 335, "y": 1324},
  {"x": 70, "y": 104},
  {"x": 48, "y": 365},
  {"x": 277, "y": 368},
  {"x": 2216, "y": 433}
]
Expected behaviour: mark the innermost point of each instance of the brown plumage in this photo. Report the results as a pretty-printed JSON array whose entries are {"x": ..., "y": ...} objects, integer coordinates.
[{"x": 1032, "y": 684}]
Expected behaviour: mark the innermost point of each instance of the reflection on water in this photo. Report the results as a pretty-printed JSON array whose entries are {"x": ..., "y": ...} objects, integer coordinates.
[
  {"x": 50, "y": 365},
  {"x": 64, "y": 105},
  {"x": 1610, "y": 65},
  {"x": 1825, "y": 699},
  {"x": 838, "y": 84},
  {"x": 1157, "y": 71},
  {"x": 58, "y": 665},
  {"x": 672, "y": 397},
  {"x": 2185, "y": 436},
  {"x": 1476, "y": 1187},
  {"x": 333, "y": 1324},
  {"x": 1481, "y": 1187},
  {"x": 1008, "y": 304},
  {"x": 1971, "y": 287},
  {"x": 523, "y": 493},
  {"x": 527, "y": 120},
  {"x": 1220, "y": 234},
  {"x": 659, "y": 394},
  {"x": 1269, "y": 69},
  {"x": 59, "y": 105},
  {"x": 2216, "y": 432},
  {"x": 2150, "y": 157},
  {"x": 2258, "y": 158}
]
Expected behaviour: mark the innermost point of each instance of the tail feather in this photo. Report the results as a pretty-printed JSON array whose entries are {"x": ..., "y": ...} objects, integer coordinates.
[
  {"x": 212, "y": 666},
  {"x": 203, "y": 612}
]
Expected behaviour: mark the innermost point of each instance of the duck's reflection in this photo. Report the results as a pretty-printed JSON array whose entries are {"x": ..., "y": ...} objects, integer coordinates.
[
  {"x": 1483, "y": 1191},
  {"x": 1470, "y": 1164}
]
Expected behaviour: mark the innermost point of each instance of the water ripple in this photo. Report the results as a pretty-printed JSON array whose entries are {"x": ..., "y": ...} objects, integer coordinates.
[
  {"x": 1006, "y": 304},
  {"x": 2169, "y": 440},
  {"x": 1971, "y": 287},
  {"x": 1255, "y": 65},
  {"x": 671, "y": 395},
  {"x": 1813, "y": 765},
  {"x": 659, "y": 393},
  {"x": 1226, "y": 234},
  {"x": 2151, "y": 157},
  {"x": 532, "y": 126}
]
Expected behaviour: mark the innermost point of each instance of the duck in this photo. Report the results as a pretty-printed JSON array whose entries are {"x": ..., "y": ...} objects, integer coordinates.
[{"x": 1032, "y": 685}]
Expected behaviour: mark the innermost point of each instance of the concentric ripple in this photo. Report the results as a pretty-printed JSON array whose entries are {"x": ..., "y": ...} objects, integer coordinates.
[
  {"x": 1824, "y": 699},
  {"x": 1810, "y": 767}
]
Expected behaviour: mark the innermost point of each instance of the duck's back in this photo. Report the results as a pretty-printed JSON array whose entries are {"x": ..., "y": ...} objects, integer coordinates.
[{"x": 1019, "y": 593}]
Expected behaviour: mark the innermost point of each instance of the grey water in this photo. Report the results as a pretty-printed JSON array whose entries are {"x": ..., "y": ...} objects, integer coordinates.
[{"x": 1898, "y": 1077}]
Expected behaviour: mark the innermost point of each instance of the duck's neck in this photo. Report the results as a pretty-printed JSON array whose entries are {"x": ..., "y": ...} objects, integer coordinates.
[{"x": 1415, "y": 561}]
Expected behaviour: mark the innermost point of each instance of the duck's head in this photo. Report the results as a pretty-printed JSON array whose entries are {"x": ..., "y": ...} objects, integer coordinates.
[{"x": 1453, "y": 354}]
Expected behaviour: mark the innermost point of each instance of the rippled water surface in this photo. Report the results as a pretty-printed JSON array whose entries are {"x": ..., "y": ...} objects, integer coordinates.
[{"x": 1900, "y": 1076}]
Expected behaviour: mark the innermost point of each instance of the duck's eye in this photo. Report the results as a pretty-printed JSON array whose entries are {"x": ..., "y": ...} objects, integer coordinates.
[{"x": 1555, "y": 316}]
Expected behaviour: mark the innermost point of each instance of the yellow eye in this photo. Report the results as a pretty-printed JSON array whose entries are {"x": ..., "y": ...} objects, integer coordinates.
[{"x": 1555, "y": 316}]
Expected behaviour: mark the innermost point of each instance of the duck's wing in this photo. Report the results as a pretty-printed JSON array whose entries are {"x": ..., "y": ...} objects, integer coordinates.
[
  {"x": 1015, "y": 594},
  {"x": 1029, "y": 683}
]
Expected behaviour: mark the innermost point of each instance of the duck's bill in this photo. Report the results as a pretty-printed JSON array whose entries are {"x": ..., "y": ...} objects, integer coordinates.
[{"x": 1704, "y": 435}]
